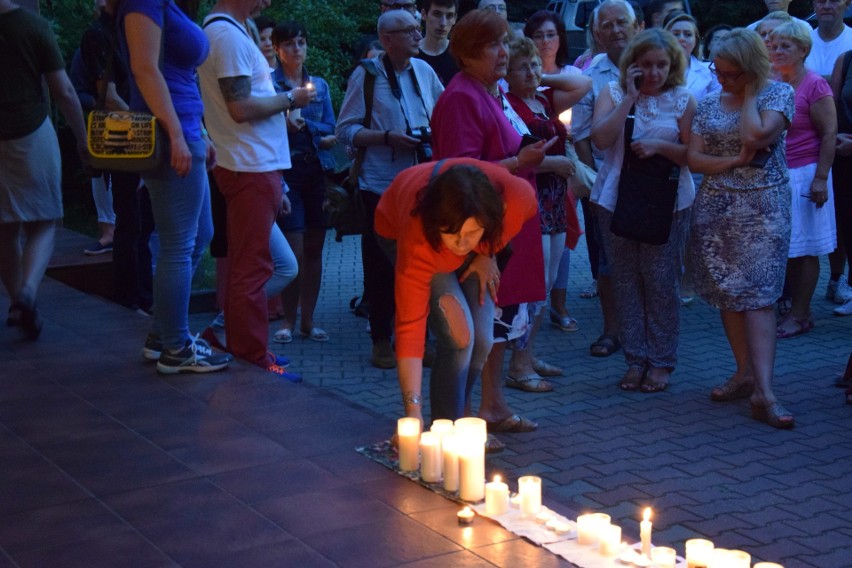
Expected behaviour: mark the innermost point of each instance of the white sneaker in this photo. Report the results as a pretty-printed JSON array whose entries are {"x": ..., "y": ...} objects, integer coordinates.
[
  {"x": 845, "y": 309},
  {"x": 843, "y": 293}
]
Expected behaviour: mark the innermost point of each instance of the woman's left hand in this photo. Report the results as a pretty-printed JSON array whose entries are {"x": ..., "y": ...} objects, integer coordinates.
[
  {"x": 644, "y": 147},
  {"x": 181, "y": 158},
  {"x": 485, "y": 267},
  {"x": 819, "y": 192}
]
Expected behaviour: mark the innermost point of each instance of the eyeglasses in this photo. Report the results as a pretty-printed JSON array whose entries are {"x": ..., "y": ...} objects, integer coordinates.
[
  {"x": 412, "y": 31},
  {"x": 532, "y": 67},
  {"x": 407, "y": 6},
  {"x": 496, "y": 7},
  {"x": 549, "y": 36},
  {"x": 725, "y": 76}
]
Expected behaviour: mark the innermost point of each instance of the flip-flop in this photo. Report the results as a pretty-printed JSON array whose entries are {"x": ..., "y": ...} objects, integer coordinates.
[
  {"x": 513, "y": 424},
  {"x": 802, "y": 326},
  {"x": 529, "y": 383},
  {"x": 283, "y": 336},
  {"x": 605, "y": 346},
  {"x": 316, "y": 334}
]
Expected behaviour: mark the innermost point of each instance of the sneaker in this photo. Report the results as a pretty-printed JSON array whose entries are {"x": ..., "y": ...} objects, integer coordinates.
[
  {"x": 843, "y": 293},
  {"x": 153, "y": 347},
  {"x": 196, "y": 357},
  {"x": 383, "y": 355},
  {"x": 97, "y": 248},
  {"x": 845, "y": 309}
]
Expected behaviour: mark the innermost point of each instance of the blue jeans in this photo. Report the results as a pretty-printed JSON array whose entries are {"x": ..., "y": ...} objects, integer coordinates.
[
  {"x": 461, "y": 354},
  {"x": 181, "y": 207},
  {"x": 562, "y": 273}
]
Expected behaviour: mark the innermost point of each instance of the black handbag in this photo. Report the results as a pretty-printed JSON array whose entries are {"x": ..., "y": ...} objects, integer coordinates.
[{"x": 647, "y": 192}]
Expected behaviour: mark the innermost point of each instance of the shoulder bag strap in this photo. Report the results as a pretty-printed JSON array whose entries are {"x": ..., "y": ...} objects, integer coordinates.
[{"x": 369, "y": 89}]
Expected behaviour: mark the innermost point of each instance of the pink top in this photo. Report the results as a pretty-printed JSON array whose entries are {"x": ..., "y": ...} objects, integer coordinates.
[{"x": 802, "y": 137}]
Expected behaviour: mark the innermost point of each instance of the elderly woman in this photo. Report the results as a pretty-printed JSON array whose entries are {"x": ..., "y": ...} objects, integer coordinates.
[
  {"x": 31, "y": 179},
  {"x": 540, "y": 112},
  {"x": 699, "y": 80},
  {"x": 447, "y": 221},
  {"x": 646, "y": 276},
  {"x": 769, "y": 22},
  {"x": 472, "y": 118},
  {"x": 165, "y": 84},
  {"x": 810, "y": 152},
  {"x": 741, "y": 220}
]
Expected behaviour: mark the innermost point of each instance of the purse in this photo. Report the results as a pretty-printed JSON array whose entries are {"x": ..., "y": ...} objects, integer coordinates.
[
  {"x": 124, "y": 140},
  {"x": 647, "y": 193}
]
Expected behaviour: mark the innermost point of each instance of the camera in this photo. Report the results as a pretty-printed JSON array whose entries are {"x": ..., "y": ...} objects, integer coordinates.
[{"x": 424, "y": 149}]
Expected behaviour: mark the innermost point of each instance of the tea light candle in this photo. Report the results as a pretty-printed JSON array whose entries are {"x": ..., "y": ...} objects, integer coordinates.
[
  {"x": 543, "y": 517},
  {"x": 767, "y": 565},
  {"x": 515, "y": 501},
  {"x": 645, "y": 532},
  {"x": 663, "y": 557},
  {"x": 408, "y": 434},
  {"x": 642, "y": 562},
  {"x": 465, "y": 516},
  {"x": 430, "y": 451},
  {"x": 496, "y": 497},
  {"x": 610, "y": 540},
  {"x": 450, "y": 469},
  {"x": 529, "y": 486},
  {"x": 699, "y": 553}
]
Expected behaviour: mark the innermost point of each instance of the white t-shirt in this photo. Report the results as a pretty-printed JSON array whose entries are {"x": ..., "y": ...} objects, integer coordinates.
[
  {"x": 255, "y": 146},
  {"x": 824, "y": 54}
]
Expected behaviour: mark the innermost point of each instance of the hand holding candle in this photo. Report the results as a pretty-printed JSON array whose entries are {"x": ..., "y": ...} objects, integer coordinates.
[{"x": 645, "y": 532}]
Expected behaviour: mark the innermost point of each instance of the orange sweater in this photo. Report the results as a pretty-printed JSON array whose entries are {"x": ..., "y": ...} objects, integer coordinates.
[{"x": 416, "y": 261}]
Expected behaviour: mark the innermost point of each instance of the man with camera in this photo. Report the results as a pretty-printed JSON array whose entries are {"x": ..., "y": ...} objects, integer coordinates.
[{"x": 395, "y": 136}]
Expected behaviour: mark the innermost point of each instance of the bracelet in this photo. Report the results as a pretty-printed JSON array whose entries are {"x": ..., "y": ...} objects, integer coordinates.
[
  {"x": 387, "y": 137},
  {"x": 204, "y": 132},
  {"x": 409, "y": 398}
]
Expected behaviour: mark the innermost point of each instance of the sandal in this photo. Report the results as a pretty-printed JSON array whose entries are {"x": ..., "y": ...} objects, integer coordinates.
[
  {"x": 802, "y": 326},
  {"x": 545, "y": 369},
  {"x": 529, "y": 383},
  {"x": 632, "y": 378},
  {"x": 732, "y": 390},
  {"x": 315, "y": 334},
  {"x": 605, "y": 346},
  {"x": 493, "y": 445},
  {"x": 784, "y": 306},
  {"x": 283, "y": 336},
  {"x": 15, "y": 312},
  {"x": 775, "y": 415},
  {"x": 590, "y": 292},
  {"x": 565, "y": 323},
  {"x": 513, "y": 424},
  {"x": 649, "y": 385}
]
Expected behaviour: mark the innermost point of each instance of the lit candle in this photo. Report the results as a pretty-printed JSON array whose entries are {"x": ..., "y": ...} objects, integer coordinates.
[
  {"x": 496, "y": 497},
  {"x": 610, "y": 540},
  {"x": 465, "y": 516},
  {"x": 663, "y": 557},
  {"x": 645, "y": 532},
  {"x": 472, "y": 433},
  {"x": 430, "y": 453},
  {"x": 767, "y": 565},
  {"x": 529, "y": 486},
  {"x": 590, "y": 527},
  {"x": 721, "y": 558},
  {"x": 699, "y": 553},
  {"x": 408, "y": 438},
  {"x": 450, "y": 451},
  {"x": 442, "y": 427},
  {"x": 739, "y": 559},
  {"x": 309, "y": 86},
  {"x": 515, "y": 502}
]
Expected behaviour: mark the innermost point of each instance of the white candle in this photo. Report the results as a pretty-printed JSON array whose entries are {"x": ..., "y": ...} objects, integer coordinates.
[
  {"x": 430, "y": 452},
  {"x": 465, "y": 516},
  {"x": 645, "y": 532},
  {"x": 543, "y": 516},
  {"x": 471, "y": 468},
  {"x": 472, "y": 426},
  {"x": 442, "y": 427},
  {"x": 408, "y": 438},
  {"x": 515, "y": 502},
  {"x": 767, "y": 565},
  {"x": 610, "y": 540},
  {"x": 450, "y": 469},
  {"x": 496, "y": 497},
  {"x": 560, "y": 527},
  {"x": 721, "y": 558},
  {"x": 663, "y": 557},
  {"x": 699, "y": 553},
  {"x": 529, "y": 486},
  {"x": 740, "y": 559},
  {"x": 590, "y": 527}
]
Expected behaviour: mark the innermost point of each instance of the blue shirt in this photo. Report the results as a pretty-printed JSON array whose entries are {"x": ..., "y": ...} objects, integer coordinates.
[{"x": 185, "y": 48}]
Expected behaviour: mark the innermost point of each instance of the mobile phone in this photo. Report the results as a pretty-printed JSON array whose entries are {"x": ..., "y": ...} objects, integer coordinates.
[
  {"x": 526, "y": 140},
  {"x": 760, "y": 158},
  {"x": 638, "y": 81}
]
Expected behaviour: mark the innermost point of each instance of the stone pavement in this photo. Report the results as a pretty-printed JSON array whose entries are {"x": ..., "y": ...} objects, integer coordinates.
[{"x": 104, "y": 463}]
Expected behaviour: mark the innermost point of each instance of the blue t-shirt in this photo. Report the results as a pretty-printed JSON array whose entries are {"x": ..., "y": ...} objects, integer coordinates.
[{"x": 185, "y": 48}]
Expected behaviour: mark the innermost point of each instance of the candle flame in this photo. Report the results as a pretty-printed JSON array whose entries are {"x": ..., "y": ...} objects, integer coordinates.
[
  {"x": 497, "y": 479},
  {"x": 646, "y": 515}
]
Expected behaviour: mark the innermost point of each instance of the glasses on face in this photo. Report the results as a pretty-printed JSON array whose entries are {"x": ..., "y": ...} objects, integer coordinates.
[
  {"x": 496, "y": 7},
  {"x": 725, "y": 76},
  {"x": 541, "y": 36},
  {"x": 412, "y": 31},
  {"x": 531, "y": 67},
  {"x": 407, "y": 6}
]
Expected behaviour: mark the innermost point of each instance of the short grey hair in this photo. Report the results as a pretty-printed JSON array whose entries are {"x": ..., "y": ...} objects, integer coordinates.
[
  {"x": 611, "y": 4},
  {"x": 391, "y": 17}
]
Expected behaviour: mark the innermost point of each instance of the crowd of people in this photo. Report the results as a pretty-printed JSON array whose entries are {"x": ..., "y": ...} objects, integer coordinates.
[{"x": 471, "y": 179}]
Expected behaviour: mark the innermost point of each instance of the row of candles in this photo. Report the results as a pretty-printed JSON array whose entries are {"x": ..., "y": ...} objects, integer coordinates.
[{"x": 454, "y": 453}]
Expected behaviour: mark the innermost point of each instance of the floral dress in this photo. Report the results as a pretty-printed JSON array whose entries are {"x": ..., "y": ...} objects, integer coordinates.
[{"x": 737, "y": 251}]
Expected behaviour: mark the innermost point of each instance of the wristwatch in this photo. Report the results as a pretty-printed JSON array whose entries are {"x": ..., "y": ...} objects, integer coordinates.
[{"x": 291, "y": 99}]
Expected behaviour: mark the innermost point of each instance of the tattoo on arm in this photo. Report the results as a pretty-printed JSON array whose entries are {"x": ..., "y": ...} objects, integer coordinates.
[{"x": 235, "y": 88}]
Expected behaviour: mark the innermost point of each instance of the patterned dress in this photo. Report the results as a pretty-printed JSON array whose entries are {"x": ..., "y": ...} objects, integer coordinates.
[{"x": 737, "y": 251}]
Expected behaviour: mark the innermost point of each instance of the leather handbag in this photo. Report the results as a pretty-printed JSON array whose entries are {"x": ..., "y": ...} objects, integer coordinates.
[{"x": 647, "y": 193}]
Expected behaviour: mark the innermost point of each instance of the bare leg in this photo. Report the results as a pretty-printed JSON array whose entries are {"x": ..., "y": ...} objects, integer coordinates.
[
  {"x": 494, "y": 407},
  {"x": 107, "y": 231},
  {"x": 802, "y": 274},
  {"x": 290, "y": 294},
  {"x": 37, "y": 251},
  {"x": 760, "y": 339},
  {"x": 558, "y": 298},
  {"x": 735, "y": 330},
  {"x": 608, "y": 308},
  {"x": 310, "y": 269},
  {"x": 521, "y": 362}
]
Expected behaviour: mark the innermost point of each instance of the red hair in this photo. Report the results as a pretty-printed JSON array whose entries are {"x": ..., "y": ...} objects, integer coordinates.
[{"x": 473, "y": 32}]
